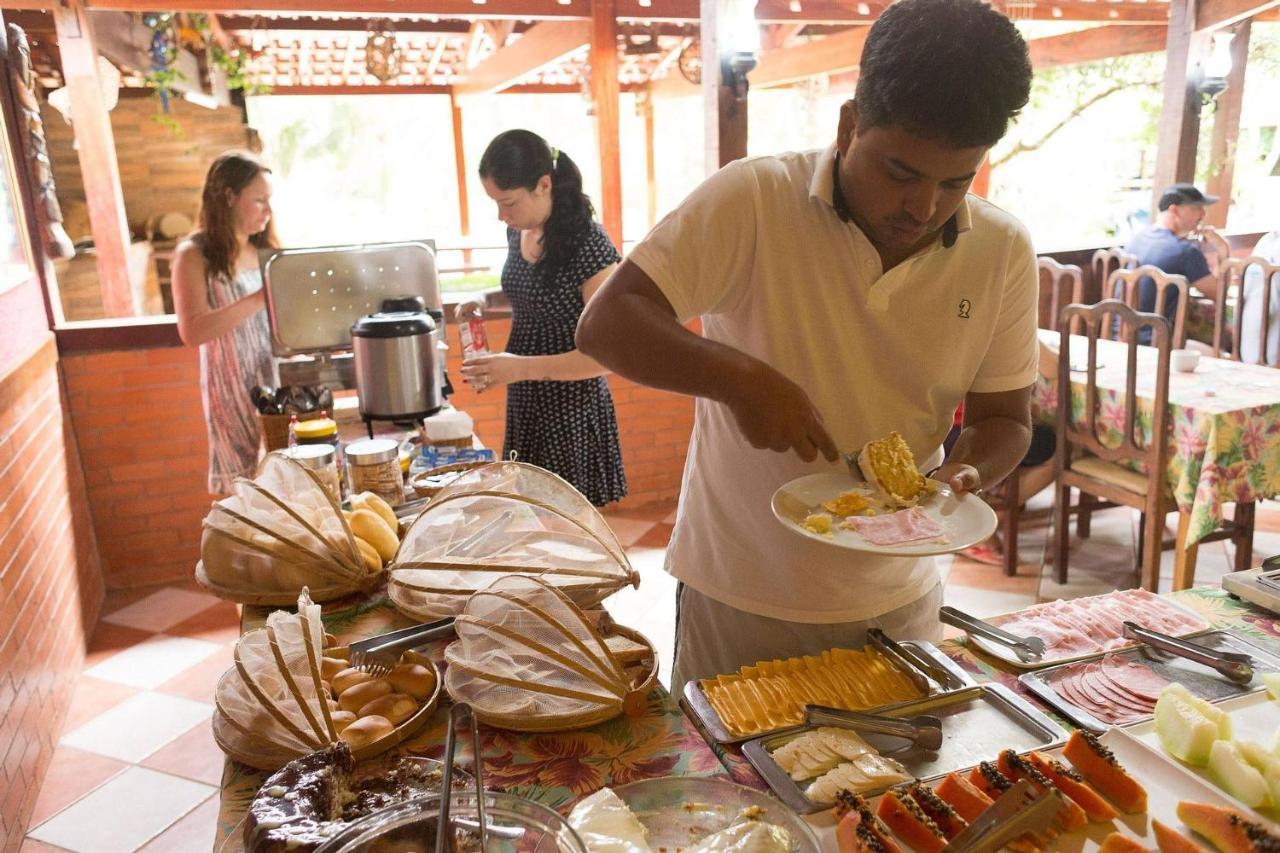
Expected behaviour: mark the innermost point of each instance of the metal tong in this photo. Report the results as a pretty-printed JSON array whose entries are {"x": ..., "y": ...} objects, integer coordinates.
[
  {"x": 913, "y": 660},
  {"x": 1018, "y": 811},
  {"x": 924, "y": 731},
  {"x": 1234, "y": 666},
  {"x": 379, "y": 655},
  {"x": 1028, "y": 649},
  {"x": 445, "y": 841}
]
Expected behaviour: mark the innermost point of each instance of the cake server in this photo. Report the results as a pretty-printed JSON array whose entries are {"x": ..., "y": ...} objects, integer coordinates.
[
  {"x": 1234, "y": 666},
  {"x": 1028, "y": 649}
]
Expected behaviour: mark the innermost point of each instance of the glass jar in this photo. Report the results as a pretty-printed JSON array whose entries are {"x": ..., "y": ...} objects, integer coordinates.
[
  {"x": 323, "y": 431},
  {"x": 374, "y": 466},
  {"x": 321, "y": 459}
]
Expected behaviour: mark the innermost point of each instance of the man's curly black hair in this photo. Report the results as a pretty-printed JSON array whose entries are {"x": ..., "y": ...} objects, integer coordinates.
[{"x": 955, "y": 70}]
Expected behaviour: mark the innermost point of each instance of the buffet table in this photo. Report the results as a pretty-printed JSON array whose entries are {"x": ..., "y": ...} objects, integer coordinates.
[{"x": 557, "y": 769}]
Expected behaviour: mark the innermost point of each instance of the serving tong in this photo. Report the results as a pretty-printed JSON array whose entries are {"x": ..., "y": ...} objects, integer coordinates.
[
  {"x": 913, "y": 663},
  {"x": 924, "y": 730},
  {"x": 1028, "y": 649},
  {"x": 1234, "y": 666},
  {"x": 1018, "y": 811},
  {"x": 379, "y": 655},
  {"x": 445, "y": 841}
]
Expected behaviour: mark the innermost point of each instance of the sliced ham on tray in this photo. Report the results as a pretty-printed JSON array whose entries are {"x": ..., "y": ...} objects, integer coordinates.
[
  {"x": 1112, "y": 691},
  {"x": 898, "y": 528}
]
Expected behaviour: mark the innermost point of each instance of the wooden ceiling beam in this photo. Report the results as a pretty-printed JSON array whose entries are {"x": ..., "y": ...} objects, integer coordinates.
[
  {"x": 1094, "y": 44},
  {"x": 831, "y": 55},
  {"x": 1216, "y": 14},
  {"x": 545, "y": 44}
]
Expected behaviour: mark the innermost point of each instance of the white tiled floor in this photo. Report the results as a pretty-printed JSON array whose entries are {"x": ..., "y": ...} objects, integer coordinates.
[
  {"x": 161, "y": 611},
  {"x": 139, "y": 726},
  {"x": 153, "y": 661}
]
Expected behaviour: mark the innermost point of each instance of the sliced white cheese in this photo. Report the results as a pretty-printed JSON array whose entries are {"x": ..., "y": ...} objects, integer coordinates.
[{"x": 608, "y": 826}]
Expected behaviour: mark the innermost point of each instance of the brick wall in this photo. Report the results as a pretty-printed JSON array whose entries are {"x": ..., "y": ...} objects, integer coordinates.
[
  {"x": 51, "y": 585},
  {"x": 160, "y": 170},
  {"x": 140, "y": 424}
]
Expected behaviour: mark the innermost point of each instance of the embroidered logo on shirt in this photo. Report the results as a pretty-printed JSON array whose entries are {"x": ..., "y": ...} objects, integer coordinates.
[{"x": 965, "y": 306}]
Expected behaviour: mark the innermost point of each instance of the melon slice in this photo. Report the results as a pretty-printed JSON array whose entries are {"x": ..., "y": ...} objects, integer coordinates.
[
  {"x": 1265, "y": 763},
  {"x": 1220, "y": 717},
  {"x": 1230, "y": 830},
  {"x": 1237, "y": 776},
  {"x": 1272, "y": 682},
  {"x": 1184, "y": 732}
]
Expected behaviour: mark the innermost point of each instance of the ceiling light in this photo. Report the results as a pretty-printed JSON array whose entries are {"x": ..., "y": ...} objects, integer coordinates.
[{"x": 864, "y": 9}]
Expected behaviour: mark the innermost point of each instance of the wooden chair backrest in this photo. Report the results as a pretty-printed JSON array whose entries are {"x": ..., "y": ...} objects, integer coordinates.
[
  {"x": 1125, "y": 285},
  {"x": 1231, "y": 278},
  {"x": 1094, "y": 321},
  {"x": 1060, "y": 285},
  {"x": 1107, "y": 261}
]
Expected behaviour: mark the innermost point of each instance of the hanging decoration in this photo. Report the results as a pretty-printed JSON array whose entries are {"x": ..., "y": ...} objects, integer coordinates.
[
  {"x": 164, "y": 51},
  {"x": 381, "y": 53},
  {"x": 690, "y": 62}
]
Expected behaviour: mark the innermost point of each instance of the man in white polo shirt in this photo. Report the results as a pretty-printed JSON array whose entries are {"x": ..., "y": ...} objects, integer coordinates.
[{"x": 844, "y": 294}]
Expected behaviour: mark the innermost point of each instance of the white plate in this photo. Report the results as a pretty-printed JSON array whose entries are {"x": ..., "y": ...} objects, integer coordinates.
[
  {"x": 1254, "y": 716},
  {"x": 1167, "y": 784},
  {"x": 966, "y": 520}
]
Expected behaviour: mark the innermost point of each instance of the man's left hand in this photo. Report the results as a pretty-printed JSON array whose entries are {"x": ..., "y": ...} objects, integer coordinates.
[{"x": 960, "y": 477}]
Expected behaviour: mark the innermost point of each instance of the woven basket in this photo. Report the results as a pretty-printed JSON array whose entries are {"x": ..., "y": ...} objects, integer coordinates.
[
  {"x": 425, "y": 489},
  {"x": 275, "y": 428}
]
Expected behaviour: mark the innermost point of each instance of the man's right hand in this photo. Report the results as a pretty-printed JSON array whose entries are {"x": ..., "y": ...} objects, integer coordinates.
[{"x": 774, "y": 413}]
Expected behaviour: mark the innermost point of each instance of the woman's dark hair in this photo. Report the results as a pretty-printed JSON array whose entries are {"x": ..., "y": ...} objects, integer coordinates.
[
  {"x": 215, "y": 236},
  {"x": 955, "y": 70},
  {"x": 519, "y": 159}
]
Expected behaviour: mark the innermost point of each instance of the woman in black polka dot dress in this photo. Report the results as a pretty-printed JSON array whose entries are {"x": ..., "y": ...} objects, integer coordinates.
[{"x": 559, "y": 412}]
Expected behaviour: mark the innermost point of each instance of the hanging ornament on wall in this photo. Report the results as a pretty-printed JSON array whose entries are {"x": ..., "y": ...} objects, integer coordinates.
[
  {"x": 690, "y": 62},
  {"x": 163, "y": 51},
  {"x": 381, "y": 53}
]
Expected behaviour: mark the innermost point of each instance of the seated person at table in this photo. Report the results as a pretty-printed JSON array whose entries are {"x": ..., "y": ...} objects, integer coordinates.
[
  {"x": 1268, "y": 248},
  {"x": 1175, "y": 244}
]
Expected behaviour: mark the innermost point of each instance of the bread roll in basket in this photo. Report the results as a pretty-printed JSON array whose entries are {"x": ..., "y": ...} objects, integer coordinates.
[
  {"x": 527, "y": 658},
  {"x": 499, "y": 519},
  {"x": 276, "y": 534}
]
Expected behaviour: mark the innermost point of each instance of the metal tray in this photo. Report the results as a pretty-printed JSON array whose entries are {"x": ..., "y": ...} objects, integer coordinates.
[
  {"x": 314, "y": 295},
  {"x": 1006, "y": 655},
  {"x": 1200, "y": 680},
  {"x": 978, "y": 723},
  {"x": 695, "y": 700}
]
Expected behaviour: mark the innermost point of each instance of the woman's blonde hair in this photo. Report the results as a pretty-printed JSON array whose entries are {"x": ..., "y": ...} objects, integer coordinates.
[{"x": 228, "y": 175}]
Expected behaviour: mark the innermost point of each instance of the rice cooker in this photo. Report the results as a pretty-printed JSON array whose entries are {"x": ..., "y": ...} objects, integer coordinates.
[{"x": 398, "y": 367}]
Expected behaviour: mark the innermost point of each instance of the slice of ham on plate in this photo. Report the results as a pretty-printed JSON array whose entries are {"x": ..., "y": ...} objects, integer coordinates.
[{"x": 898, "y": 528}]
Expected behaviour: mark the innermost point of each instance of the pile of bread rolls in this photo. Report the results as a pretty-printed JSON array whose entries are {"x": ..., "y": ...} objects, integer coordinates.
[
  {"x": 365, "y": 707},
  {"x": 374, "y": 524}
]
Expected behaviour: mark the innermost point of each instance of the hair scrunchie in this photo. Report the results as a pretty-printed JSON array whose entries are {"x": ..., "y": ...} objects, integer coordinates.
[{"x": 555, "y": 155}]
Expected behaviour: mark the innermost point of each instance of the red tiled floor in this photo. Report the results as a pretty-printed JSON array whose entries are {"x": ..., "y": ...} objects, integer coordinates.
[
  {"x": 656, "y": 537},
  {"x": 118, "y": 598},
  {"x": 965, "y": 572},
  {"x": 650, "y": 512},
  {"x": 30, "y": 845},
  {"x": 218, "y": 624},
  {"x": 111, "y": 639},
  {"x": 193, "y": 755},
  {"x": 199, "y": 681},
  {"x": 93, "y": 696},
  {"x": 72, "y": 774},
  {"x": 196, "y": 831}
]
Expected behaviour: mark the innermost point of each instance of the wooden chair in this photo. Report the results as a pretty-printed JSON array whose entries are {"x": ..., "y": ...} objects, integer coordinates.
[
  {"x": 1060, "y": 285},
  {"x": 1125, "y": 285},
  {"x": 1083, "y": 462},
  {"x": 1107, "y": 261},
  {"x": 1232, "y": 274}
]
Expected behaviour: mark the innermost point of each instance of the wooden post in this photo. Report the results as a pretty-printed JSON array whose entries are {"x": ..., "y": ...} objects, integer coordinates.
[
  {"x": 1180, "y": 116},
  {"x": 645, "y": 102},
  {"x": 1226, "y": 130},
  {"x": 460, "y": 166},
  {"x": 604, "y": 95},
  {"x": 981, "y": 185},
  {"x": 726, "y": 114},
  {"x": 97, "y": 151}
]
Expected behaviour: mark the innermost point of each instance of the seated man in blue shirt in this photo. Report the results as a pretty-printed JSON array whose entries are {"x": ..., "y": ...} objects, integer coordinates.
[{"x": 1174, "y": 244}]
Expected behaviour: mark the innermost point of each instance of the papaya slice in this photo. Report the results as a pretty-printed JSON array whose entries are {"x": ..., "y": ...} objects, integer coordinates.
[
  {"x": 1072, "y": 784},
  {"x": 1099, "y": 767},
  {"x": 853, "y": 836},
  {"x": 1071, "y": 817},
  {"x": 848, "y": 803},
  {"x": 939, "y": 810},
  {"x": 1118, "y": 842},
  {"x": 909, "y": 822},
  {"x": 988, "y": 779},
  {"x": 963, "y": 796},
  {"x": 1169, "y": 840},
  {"x": 1230, "y": 831}
]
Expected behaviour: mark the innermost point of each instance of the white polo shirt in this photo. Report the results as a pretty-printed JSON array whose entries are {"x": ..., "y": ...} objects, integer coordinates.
[{"x": 760, "y": 254}]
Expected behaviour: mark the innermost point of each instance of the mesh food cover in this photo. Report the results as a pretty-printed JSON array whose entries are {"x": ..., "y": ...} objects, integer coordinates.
[
  {"x": 271, "y": 706},
  {"x": 276, "y": 534},
  {"x": 470, "y": 534},
  {"x": 528, "y": 659}
]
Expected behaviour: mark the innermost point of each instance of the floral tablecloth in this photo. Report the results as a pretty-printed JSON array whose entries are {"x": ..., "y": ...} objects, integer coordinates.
[
  {"x": 553, "y": 769},
  {"x": 1224, "y": 444}
]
